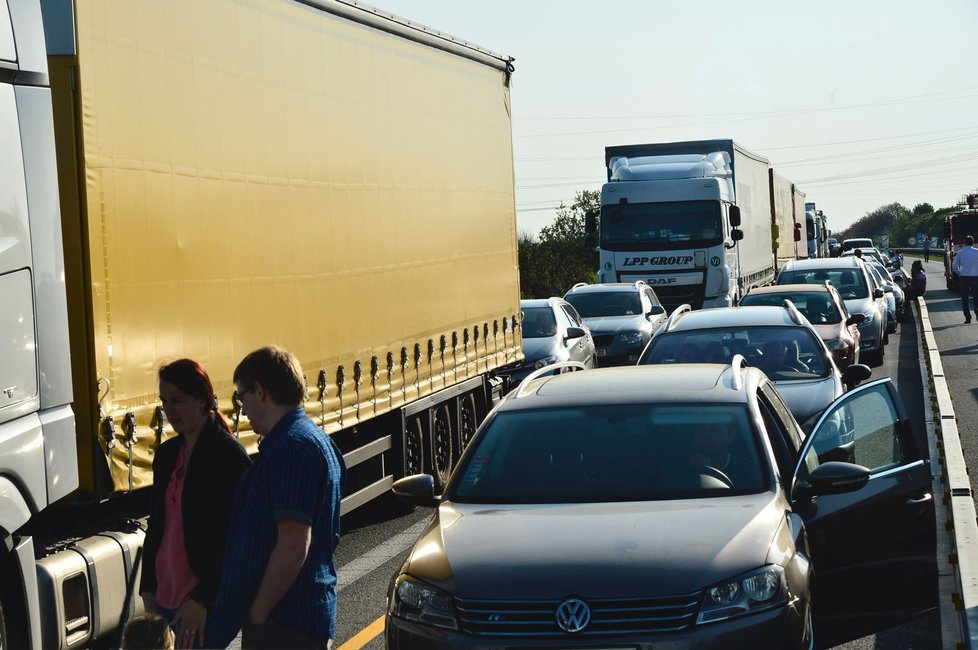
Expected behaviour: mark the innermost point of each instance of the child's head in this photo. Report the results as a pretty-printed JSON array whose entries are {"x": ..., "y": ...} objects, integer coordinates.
[{"x": 147, "y": 632}]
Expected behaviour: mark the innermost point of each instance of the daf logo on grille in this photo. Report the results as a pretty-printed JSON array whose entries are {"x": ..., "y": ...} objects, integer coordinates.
[{"x": 573, "y": 615}]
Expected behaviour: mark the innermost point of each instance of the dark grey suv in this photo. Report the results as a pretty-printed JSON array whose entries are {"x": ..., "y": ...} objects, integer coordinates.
[
  {"x": 621, "y": 317},
  {"x": 669, "y": 506}
]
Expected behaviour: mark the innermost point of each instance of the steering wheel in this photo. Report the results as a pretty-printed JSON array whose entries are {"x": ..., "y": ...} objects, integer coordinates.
[{"x": 713, "y": 472}]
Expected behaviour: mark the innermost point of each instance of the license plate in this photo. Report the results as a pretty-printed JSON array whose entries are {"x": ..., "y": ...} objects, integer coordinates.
[{"x": 601, "y": 352}]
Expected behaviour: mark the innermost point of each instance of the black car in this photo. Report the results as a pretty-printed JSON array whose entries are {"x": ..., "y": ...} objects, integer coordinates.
[{"x": 678, "y": 506}]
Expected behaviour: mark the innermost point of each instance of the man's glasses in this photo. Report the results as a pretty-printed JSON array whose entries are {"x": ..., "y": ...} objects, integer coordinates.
[{"x": 236, "y": 395}]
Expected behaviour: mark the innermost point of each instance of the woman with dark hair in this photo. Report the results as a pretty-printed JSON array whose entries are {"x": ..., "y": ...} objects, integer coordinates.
[{"x": 194, "y": 477}]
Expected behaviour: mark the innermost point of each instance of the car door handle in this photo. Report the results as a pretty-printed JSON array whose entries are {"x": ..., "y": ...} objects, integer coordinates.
[{"x": 918, "y": 505}]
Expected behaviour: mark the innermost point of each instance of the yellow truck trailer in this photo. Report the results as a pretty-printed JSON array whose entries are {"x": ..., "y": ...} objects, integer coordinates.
[
  {"x": 787, "y": 218},
  {"x": 234, "y": 173}
]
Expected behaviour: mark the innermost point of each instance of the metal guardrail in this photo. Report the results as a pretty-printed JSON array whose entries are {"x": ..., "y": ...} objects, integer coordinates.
[{"x": 957, "y": 525}]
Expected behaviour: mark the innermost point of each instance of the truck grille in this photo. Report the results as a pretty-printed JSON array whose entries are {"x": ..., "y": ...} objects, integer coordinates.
[
  {"x": 609, "y": 617},
  {"x": 673, "y": 296}
]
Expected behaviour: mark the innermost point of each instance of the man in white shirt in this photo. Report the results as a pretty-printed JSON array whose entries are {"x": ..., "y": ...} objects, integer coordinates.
[{"x": 965, "y": 264}]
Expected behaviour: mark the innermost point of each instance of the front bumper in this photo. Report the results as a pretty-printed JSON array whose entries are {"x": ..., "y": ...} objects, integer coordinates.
[
  {"x": 618, "y": 354},
  {"x": 777, "y": 628}
]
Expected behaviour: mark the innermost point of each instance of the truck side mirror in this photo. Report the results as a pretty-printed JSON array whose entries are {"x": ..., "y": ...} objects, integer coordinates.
[
  {"x": 947, "y": 230},
  {"x": 736, "y": 234},
  {"x": 797, "y": 232},
  {"x": 590, "y": 229},
  {"x": 734, "y": 216}
]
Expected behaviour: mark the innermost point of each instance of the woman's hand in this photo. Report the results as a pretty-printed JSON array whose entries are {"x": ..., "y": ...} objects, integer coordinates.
[
  {"x": 149, "y": 602},
  {"x": 190, "y": 621}
]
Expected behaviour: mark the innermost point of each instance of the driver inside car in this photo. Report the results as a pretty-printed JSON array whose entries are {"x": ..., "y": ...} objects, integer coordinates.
[
  {"x": 781, "y": 356},
  {"x": 714, "y": 453}
]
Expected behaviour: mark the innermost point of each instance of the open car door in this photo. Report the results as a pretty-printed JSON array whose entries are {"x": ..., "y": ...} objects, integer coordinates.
[{"x": 873, "y": 549}]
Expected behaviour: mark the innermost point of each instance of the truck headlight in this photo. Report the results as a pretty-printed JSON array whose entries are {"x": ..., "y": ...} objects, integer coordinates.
[
  {"x": 546, "y": 361},
  {"x": 756, "y": 591},
  {"x": 629, "y": 338},
  {"x": 413, "y": 600}
]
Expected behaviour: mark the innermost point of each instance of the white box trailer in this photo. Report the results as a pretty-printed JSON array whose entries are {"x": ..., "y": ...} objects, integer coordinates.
[{"x": 693, "y": 219}]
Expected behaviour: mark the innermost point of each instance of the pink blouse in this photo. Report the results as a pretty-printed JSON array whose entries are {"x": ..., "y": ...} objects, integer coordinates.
[{"x": 174, "y": 579}]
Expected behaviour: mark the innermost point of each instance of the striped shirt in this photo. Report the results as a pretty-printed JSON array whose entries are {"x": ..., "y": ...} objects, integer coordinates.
[
  {"x": 966, "y": 262},
  {"x": 299, "y": 474}
]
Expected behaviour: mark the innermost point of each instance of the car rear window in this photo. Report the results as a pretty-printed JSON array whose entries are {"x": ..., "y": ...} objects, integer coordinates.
[
  {"x": 817, "y": 307},
  {"x": 609, "y": 453},
  {"x": 783, "y": 353},
  {"x": 850, "y": 282}
]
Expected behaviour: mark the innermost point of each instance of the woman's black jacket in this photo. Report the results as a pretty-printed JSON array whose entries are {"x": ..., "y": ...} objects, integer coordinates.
[{"x": 212, "y": 472}]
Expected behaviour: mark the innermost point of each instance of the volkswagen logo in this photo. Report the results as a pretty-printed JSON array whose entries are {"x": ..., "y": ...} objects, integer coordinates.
[{"x": 573, "y": 615}]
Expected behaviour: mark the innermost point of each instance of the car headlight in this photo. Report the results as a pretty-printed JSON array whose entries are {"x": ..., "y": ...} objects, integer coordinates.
[
  {"x": 546, "y": 361},
  {"x": 629, "y": 338},
  {"x": 413, "y": 600},
  {"x": 869, "y": 318},
  {"x": 836, "y": 344},
  {"x": 750, "y": 593}
]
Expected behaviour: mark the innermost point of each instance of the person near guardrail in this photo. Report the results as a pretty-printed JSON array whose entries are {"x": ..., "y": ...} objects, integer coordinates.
[
  {"x": 279, "y": 581},
  {"x": 917, "y": 286},
  {"x": 966, "y": 266},
  {"x": 926, "y": 249},
  {"x": 194, "y": 478}
]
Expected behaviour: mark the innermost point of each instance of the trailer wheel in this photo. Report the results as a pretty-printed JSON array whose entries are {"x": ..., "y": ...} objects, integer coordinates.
[
  {"x": 413, "y": 448},
  {"x": 441, "y": 445},
  {"x": 468, "y": 421}
]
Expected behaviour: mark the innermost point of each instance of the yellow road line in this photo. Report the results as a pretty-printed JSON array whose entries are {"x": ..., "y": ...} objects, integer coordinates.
[{"x": 364, "y": 636}]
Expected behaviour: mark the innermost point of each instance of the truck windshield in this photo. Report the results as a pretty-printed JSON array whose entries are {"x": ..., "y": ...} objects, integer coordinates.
[{"x": 659, "y": 226}]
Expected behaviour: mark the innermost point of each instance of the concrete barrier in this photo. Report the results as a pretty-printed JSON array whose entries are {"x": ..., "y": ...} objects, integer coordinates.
[{"x": 957, "y": 526}]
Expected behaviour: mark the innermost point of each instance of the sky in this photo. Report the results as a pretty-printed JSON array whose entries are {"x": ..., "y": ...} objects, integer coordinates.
[{"x": 860, "y": 102}]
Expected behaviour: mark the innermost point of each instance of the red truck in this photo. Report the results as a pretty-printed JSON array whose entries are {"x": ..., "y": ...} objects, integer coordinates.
[{"x": 957, "y": 226}]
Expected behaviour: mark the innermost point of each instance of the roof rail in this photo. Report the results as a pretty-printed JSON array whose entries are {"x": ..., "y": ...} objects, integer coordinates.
[
  {"x": 828, "y": 283},
  {"x": 578, "y": 285},
  {"x": 676, "y": 315},
  {"x": 539, "y": 372},
  {"x": 793, "y": 312},
  {"x": 737, "y": 365},
  {"x": 640, "y": 283}
]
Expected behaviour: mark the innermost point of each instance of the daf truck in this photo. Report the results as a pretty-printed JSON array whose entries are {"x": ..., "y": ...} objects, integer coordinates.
[
  {"x": 692, "y": 219},
  {"x": 199, "y": 179}
]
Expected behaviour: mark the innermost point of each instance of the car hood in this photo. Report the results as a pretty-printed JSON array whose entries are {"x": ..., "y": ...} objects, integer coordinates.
[
  {"x": 826, "y": 331},
  {"x": 806, "y": 398},
  {"x": 615, "y": 324},
  {"x": 600, "y": 550},
  {"x": 538, "y": 348},
  {"x": 862, "y": 306}
]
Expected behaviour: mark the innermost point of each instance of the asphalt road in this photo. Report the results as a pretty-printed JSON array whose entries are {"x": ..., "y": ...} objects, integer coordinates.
[{"x": 376, "y": 539}]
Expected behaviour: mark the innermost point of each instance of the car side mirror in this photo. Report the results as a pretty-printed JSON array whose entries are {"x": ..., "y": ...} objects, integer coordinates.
[
  {"x": 855, "y": 319},
  {"x": 887, "y": 288},
  {"x": 417, "y": 490},
  {"x": 855, "y": 373},
  {"x": 877, "y": 293},
  {"x": 656, "y": 310},
  {"x": 835, "y": 477},
  {"x": 573, "y": 333}
]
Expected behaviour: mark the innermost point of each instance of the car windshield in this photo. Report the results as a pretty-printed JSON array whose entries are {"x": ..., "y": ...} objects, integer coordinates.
[
  {"x": 538, "y": 323},
  {"x": 817, "y": 307},
  {"x": 678, "y": 224},
  {"x": 850, "y": 282},
  {"x": 613, "y": 452},
  {"x": 605, "y": 303},
  {"x": 856, "y": 243},
  {"x": 783, "y": 353}
]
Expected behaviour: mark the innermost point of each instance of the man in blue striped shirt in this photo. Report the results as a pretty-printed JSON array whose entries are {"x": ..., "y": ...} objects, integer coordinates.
[{"x": 279, "y": 582}]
